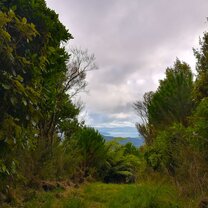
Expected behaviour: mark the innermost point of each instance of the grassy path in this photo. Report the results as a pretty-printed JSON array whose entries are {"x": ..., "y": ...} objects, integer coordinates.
[{"x": 99, "y": 195}]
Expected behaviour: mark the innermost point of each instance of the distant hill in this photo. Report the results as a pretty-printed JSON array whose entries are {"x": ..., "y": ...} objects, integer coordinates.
[
  {"x": 130, "y": 132},
  {"x": 135, "y": 141}
]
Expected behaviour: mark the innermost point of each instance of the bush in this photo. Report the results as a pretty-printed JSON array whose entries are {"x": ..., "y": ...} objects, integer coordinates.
[
  {"x": 89, "y": 151},
  {"x": 122, "y": 163}
]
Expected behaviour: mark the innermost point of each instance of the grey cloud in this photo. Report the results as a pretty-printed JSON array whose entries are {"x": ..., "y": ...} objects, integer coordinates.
[{"x": 134, "y": 42}]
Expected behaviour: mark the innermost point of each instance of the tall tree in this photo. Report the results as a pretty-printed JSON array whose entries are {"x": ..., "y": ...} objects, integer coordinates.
[
  {"x": 33, "y": 67},
  {"x": 141, "y": 108},
  {"x": 18, "y": 89},
  {"x": 201, "y": 83},
  {"x": 172, "y": 102}
]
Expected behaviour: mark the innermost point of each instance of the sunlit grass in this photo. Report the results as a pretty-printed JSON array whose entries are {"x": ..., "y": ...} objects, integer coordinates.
[
  {"x": 130, "y": 196},
  {"x": 99, "y": 195}
]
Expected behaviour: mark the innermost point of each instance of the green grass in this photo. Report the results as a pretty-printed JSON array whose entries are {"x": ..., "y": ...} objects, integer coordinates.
[
  {"x": 131, "y": 196},
  {"x": 43, "y": 200},
  {"x": 99, "y": 195},
  {"x": 56, "y": 199}
]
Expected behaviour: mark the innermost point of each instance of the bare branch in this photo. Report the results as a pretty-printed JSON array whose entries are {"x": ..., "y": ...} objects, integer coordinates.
[
  {"x": 79, "y": 64},
  {"x": 141, "y": 107}
]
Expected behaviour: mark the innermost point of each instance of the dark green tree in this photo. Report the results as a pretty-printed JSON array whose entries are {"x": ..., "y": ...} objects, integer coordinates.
[
  {"x": 172, "y": 102},
  {"x": 201, "y": 83},
  {"x": 18, "y": 89},
  {"x": 90, "y": 145},
  {"x": 34, "y": 70},
  {"x": 200, "y": 94}
]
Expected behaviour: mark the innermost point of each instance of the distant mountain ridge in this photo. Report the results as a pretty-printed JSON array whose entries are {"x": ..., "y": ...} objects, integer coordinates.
[
  {"x": 125, "y": 132},
  {"x": 135, "y": 141}
]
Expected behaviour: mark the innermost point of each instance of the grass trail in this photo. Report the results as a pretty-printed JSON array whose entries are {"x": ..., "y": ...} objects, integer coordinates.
[{"x": 99, "y": 195}]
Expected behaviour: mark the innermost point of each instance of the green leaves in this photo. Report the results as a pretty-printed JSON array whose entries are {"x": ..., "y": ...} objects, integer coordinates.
[
  {"x": 3, "y": 168},
  {"x": 172, "y": 102},
  {"x": 5, "y": 86},
  {"x": 91, "y": 146},
  {"x": 122, "y": 163},
  {"x": 24, "y": 20},
  {"x": 201, "y": 83},
  {"x": 35, "y": 104}
]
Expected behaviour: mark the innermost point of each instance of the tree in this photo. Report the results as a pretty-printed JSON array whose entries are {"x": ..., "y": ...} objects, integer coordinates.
[
  {"x": 91, "y": 147},
  {"x": 201, "y": 83},
  {"x": 141, "y": 108},
  {"x": 33, "y": 68},
  {"x": 166, "y": 149},
  {"x": 61, "y": 83},
  {"x": 200, "y": 127},
  {"x": 172, "y": 102},
  {"x": 19, "y": 94},
  {"x": 79, "y": 64}
]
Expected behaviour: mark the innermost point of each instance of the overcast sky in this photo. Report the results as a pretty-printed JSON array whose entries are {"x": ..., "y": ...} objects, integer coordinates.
[{"x": 134, "y": 42}]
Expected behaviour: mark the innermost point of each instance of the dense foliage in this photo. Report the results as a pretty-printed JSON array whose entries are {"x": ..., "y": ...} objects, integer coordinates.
[
  {"x": 175, "y": 127},
  {"x": 36, "y": 78}
]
